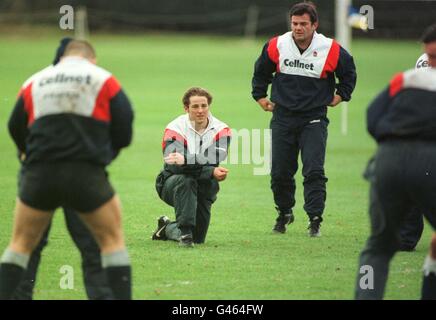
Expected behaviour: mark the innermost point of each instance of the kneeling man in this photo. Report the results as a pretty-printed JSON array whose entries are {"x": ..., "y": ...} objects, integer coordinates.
[{"x": 193, "y": 146}]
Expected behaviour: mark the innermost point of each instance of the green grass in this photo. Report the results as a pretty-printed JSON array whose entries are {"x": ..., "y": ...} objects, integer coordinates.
[{"x": 241, "y": 258}]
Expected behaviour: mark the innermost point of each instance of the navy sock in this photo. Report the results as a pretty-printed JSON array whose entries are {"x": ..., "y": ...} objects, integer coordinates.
[
  {"x": 429, "y": 287},
  {"x": 120, "y": 281},
  {"x": 10, "y": 277}
]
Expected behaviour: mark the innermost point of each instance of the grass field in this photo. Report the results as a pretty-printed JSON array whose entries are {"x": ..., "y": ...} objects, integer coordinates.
[{"x": 241, "y": 258}]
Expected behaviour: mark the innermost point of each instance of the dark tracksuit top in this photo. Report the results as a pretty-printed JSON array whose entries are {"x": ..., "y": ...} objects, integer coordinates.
[
  {"x": 402, "y": 119},
  {"x": 406, "y": 108},
  {"x": 73, "y": 111},
  {"x": 303, "y": 84}
]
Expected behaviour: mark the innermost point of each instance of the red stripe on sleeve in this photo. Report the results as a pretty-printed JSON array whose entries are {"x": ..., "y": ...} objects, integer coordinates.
[
  {"x": 396, "y": 84},
  {"x": 102, "y": 107},
  {"x": 332, "y": 59},
  {"x": 28, "y": 104},
  {"x": 171, "y": 135},
  {"x": 273, "y": 52},
  {"x": 226, "y": 132}
]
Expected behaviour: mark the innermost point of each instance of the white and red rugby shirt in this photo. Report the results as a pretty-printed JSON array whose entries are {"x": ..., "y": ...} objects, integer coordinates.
[
  {"x": 302, "y": 81},
  {"x": 74, "y": 110},
  {"x": 202, "y": 151}
]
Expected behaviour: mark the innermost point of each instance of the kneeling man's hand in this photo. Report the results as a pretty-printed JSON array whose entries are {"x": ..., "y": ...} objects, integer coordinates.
[
  {"x": 220, "y": 173},
  {"x": 175, "y": 158}
]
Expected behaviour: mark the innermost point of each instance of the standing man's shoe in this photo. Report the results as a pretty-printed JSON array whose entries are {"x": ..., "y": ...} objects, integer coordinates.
[
  {"x": 314, "y": 226},
  {"x": 282, "y": 221},
  {"x": 186, "y": 241}
]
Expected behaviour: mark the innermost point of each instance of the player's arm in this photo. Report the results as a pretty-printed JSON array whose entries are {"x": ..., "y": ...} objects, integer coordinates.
[
  {"x": 17, "y": 125},
  {"x": 121, "y": 126},
  {"x": 179, "y": 161},
  {"x": 376, "y": 112},
  {"x": 346, "y": 74},
  {"x": 264, "y": 69}
]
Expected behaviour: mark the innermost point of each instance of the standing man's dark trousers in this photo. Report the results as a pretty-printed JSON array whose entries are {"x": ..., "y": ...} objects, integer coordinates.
[
  {"x": 404, "y": 178},
  {"x": 291, "y": 134},
  {"x": 192, "y": 200},
  {"x": 94, "y": 277},
  {"x": 413, "y": 224},
  {"x": 411, "y": 230}
]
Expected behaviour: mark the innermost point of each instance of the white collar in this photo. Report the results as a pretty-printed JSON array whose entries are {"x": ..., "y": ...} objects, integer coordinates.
[
  {"x": 74, "y": 59},
  {"x": 209, "y": 125}
]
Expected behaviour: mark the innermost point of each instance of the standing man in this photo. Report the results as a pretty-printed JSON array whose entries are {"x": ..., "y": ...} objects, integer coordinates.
[
  {"x": 193, "y": 146},
  {"x": 68, "y": 123},
  {"x": 93, "y": 276},
  {"x": 401, "y": 119},
  {"x": 413, "y": 224},
  {"x": 302, "y": 65}
]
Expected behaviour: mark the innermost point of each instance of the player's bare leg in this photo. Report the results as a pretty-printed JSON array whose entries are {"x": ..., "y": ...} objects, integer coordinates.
[
  {"x": 29, "y": 226},
  {"x": 105, "y": 225}
]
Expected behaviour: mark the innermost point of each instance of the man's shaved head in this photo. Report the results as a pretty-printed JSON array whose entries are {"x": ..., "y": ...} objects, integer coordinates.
[{"x": 80, "y": 48}]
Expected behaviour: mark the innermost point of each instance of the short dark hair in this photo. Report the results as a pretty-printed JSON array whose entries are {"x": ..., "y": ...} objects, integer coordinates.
[
  {"x": 61, "y": 49},
  {"x": 429, "y": 34},
  {"x": 305, "y": 7},
  {"x": 80, "y": 47},
  {"x": 196, "y": 91}
]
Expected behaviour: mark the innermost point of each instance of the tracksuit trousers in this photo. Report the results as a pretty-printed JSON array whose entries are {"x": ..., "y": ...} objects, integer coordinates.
[
  {"x": 403, "y": 178},
  {"x": 192, "y": 200},
  {"x": 293, "y": 134}
]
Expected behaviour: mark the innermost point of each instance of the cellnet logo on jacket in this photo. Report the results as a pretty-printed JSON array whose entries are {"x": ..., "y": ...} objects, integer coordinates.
[
  {"x": 303, "y": 82},
  {"x": 73, "y": 86},
  {"x": 74, "y": 110},
  {"x": 319, "y": 58}
]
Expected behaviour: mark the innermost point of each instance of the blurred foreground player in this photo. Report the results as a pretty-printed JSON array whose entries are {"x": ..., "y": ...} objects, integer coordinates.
[
  {"x": 69, "y": 121},
  {"x": 94, "y": 277},
  {"x": 401, "y": 119}
]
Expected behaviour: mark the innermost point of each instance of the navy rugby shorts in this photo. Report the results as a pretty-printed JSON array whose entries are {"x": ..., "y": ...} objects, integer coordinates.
[{"x": 81, "y": 186}]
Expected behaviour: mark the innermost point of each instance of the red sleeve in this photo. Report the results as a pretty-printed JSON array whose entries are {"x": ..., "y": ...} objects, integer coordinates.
[
  {"x": 28, "y": 103},
  {"x": 102, "y": 104},
  {"x": 332, "y": 59},
  {"x": 396, "y": 84},
  {"x": 226, "y": 132},
  {"x": 171, "y": 135},
  {"x": 273, "y": 51}
]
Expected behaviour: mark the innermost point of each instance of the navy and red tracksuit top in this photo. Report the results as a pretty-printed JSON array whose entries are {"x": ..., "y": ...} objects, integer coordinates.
[
  {"x": 73, "y": 111},
  {"x": 303, "y": 82},
  {"x": 406, "y": 109}
]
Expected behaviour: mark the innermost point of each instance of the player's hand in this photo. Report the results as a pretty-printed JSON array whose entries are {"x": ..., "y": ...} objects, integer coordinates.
[
  {"x": 266, "y": 104},
  {"x": 220, "y": 173},
  {"x": 336, "y": 100},
  {"x": 174, "y": 158}
]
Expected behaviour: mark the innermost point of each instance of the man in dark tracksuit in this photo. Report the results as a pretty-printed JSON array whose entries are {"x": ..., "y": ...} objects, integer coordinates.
[
  {"x": 193, "y": 146},
  {"x": 304, "y": 64},
  {"x": 413, "y": 225},
  {"x": 94, "y": 278},
  {"x": 402, "y": 120}
]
